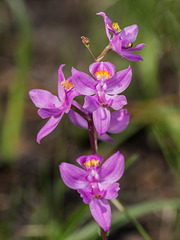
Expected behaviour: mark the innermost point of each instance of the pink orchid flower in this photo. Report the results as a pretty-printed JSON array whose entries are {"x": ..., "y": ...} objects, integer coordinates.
[
  {"x": 122, "y": 40},
  {"x": 51, "y": 106},
  {"x": 96, "y": 184}
]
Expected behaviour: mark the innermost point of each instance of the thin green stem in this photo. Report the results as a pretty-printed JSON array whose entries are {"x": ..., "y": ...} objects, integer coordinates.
[
  {"x": 86, "y": 42},
  {"x": 92, "y": 137},
  {"x": 91, "y": 53},
  {"x": 101, "y": 56},
  {"x": 104, "y": 235},
  {"x": 138, "y": 226}
]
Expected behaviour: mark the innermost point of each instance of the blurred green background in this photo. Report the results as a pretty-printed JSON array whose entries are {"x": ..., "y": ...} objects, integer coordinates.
[{"x": 36, "y": 37}]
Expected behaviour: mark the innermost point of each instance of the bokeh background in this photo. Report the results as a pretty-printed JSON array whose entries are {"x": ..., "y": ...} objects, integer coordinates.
[{"x": 36, "y": 37}]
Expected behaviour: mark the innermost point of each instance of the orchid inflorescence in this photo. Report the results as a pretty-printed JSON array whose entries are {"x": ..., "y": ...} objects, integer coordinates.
[{"x": 102, "y": 112}]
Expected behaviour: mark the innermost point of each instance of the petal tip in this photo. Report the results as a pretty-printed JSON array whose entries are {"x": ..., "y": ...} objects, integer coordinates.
[
  {"x": 38, "y": 140},
  {"x": 61, "y": 66},
  {"x": 39, "y": 137},
  {"x": 61, "y": 166},
  {"x": 73, "y": 70},
  {"x": 100, "y": 13},
  {"x": 32, "y": 93}
]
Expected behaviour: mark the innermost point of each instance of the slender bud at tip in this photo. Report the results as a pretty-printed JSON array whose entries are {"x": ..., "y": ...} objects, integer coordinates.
[{"x": 85, "y": 41}]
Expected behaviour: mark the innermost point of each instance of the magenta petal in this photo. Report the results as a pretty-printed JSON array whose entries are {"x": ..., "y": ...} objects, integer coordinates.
[
  {"x": 100, "y": 66},
  {"x": 107, "y": 22},
  {"x": 86, "y": 194},
  {"x": 61, "y": 78},
  {"x": 48, "y": 112},
  {"x": 73, "y": 176},
  {"x": 117, "y": 101},
  {"x": 105, "y": 138},
  {"x": 69, "y": 99},
  {"x": 124, "y": 42},
  {"x": 44, "y": 99},
  {"x": 119, "y": 121},
  {"x": 90, "y": 103},
  {"x": 112, "y": 169},
  {"x": 119, "y": 82},
  {"x": 138, "y": 47},
  {"x": 129, "y": 33},
  {"x": 101, "y": 119},
  {"x": 77, "y": 120},
  {"x": 130, "y": 56},
  {"x": 111, "y": 191},
  {"x": 49, "y": 126},
  {"x": 101, "y": 212},
  {"x": 83, "y": 83},
  {"x": 116, "y": 44}
]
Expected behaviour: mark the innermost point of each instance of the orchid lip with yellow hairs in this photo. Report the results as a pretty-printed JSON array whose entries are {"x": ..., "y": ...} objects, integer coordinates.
[
  {"x": 92, "y": 163},
  {"x": 104, "y": 74},
  {"x": 96, "y": 184},
  {"x": 116, "y": 27},
  {"x": 67, "y": 85}
]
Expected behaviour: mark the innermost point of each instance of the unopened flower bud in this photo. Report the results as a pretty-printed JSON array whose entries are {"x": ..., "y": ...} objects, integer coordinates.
[{"x": 85, "y": 41}]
